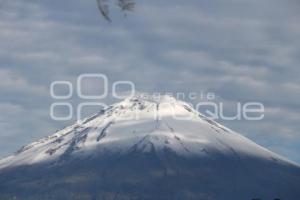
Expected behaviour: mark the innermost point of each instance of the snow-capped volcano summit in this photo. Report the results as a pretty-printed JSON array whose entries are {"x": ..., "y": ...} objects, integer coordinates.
[
  {"x": 165, "y": 138},
  {"x": 141, "y": 122}
]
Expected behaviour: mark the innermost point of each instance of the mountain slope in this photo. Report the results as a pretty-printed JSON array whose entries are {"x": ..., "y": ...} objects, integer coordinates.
[{"x": 147, "y": 148}]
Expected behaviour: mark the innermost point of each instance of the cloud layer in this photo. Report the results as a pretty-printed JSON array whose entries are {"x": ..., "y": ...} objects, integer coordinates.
[{"x": 242, "y": 51}]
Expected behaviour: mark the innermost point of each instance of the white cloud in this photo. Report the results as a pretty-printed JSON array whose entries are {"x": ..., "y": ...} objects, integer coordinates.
[{"x": 241, "y": 50}]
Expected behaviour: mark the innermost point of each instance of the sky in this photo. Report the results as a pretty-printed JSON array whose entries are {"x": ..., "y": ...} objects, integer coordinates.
[{"x": 240, "y": 50}]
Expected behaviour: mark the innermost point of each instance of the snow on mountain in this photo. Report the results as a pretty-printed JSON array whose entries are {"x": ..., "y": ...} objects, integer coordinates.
[
  {"x": 154, "y": 148},
  {"x": 144, "y": 123}
]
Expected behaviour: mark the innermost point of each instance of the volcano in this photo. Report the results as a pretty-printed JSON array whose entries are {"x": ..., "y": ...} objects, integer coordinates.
[{"x": 147, "y": 148}]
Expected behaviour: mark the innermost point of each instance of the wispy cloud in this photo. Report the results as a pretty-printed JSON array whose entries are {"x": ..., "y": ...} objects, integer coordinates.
[{"x": 241, "y": 50}]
